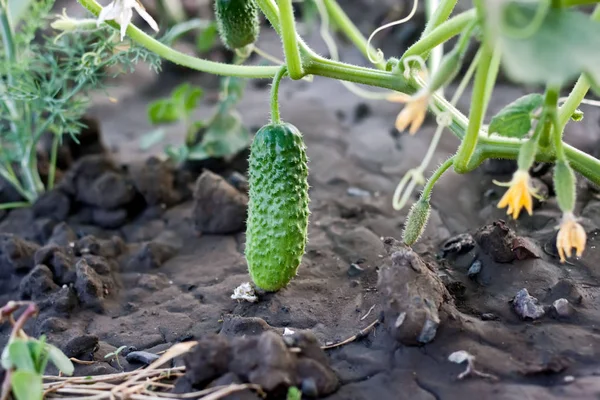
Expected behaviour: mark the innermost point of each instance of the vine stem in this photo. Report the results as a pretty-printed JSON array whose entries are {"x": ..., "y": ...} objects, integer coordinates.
[
  {"x": 477, "y": 111},
  {"x": 316, "y": 65},
  {"x": 426, "y": 194},
  {"x": 289, "y": 38},
  {"x": 275, "y": 114}
]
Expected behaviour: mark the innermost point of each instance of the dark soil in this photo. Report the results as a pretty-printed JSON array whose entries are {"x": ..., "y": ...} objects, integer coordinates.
[{"x": 130, "y": 251}]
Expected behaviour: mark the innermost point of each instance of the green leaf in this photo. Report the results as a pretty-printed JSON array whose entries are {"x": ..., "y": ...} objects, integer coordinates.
[
  {"x": 60, "y": 360},
  {"x": 39, "y": 355},
  {"x": 206, "y": 38},
  {"x": 163, "y": 111},
  {"x": 187, "y": 97},
  {"x": 514, "y": 120},
  {"x": 20, "y": 355},
  {"x": 184, "y": 99},
  {"x": 27, "y": 385},
  {"x": 561, "y": 46},
  {"x": 225, "y": 136}
]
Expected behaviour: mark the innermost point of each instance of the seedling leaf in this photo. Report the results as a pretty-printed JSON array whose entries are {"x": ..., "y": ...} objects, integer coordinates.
[
  {"x": 514, "y": 120},
  {"x": 60, "y": 360},
  {"x": 162, "y": 111},
  {"x": 224, "y": 137},
  {"x": 20, "y": 355},
  {"x": 27, "y": 385}
]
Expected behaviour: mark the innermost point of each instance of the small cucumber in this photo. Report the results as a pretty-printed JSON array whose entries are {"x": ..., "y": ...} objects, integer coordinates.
[
  {"x": 278, "y": 208},
  {"x": 237, "y": 22}
]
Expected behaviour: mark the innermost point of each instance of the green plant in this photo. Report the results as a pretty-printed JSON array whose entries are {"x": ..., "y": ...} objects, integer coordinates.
[
  {"x": 25, "y": 358},
  {"x": 545, "y": 42},
  {"x": 115, "y": 355},
  {"x": 221, "y": 135},
  {"x": 43, "y": 87}
]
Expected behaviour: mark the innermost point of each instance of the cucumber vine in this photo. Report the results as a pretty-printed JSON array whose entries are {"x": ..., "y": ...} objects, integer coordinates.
[{"x": 512, "y": 35}]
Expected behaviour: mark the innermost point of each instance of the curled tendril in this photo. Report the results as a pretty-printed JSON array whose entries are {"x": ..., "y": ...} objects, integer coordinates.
[
  {"x": 444, "y": 118},
  {"x": 533, "y": 26},
  {"x": 379, "y": 55}
]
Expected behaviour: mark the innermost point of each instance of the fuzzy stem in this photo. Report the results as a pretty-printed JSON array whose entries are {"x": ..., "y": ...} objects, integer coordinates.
[
  {"x": 426, "y": 194},
  {"x": 477, "y": 111},
  {"x": 275, "y": 115}
]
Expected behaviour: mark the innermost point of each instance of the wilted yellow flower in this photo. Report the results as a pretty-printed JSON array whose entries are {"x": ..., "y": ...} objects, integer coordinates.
[
  {"x": 570, "y": 236},
  {"x": 518, "y": 195},
  {"x": 414, "y": 112}
]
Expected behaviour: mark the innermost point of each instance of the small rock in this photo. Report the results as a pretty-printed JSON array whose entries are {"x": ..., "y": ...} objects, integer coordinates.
[
  {"x": 37, "y": 284},
  {"x": 496, "y": 240},
  {"x": 474, "y": 269},
  {"x": 156, "y": 182},
  {"x": 354, "y": 270},
  {"x": 458, "y": 244},
  {"x": 79, "y": 345},
  {"x": 357, "y": 192},
  {"x": 411, "y": 296},
  {"x": 62, "y": 235},
  {"x": 53, "y": 204},
  {"x": 61, "y": 302},
  {"x": 60, "y": 262},
  {"x": 110, "y": 191},
  {"x": 109, "y": 219},
  {"x": 219, "y": 208},
  {"x": 527, "y": 306},
  {"x": 235, "y": 325},
  {"x": 562, "y": 308},
  {"x": 489, "y": 317},
  {"x": 16, "y": 255},
  {"x": 207, "y": 360},
  {"x": 239, "y": 182},
  {"x": 89, "y": 286},
  {"x": 142, "y": 357},
  {"x": 525, "y": 248}
]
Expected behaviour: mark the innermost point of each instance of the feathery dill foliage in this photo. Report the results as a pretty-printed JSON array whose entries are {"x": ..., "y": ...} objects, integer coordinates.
[{"x": 44, "y": 85}]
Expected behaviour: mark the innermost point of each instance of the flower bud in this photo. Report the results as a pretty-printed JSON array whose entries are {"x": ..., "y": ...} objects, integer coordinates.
[
  {"x": 416, "y": 221},
  {"x": 564, "y": 186}
]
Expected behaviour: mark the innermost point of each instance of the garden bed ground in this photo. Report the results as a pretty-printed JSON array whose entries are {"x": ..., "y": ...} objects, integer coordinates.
[{"x": 120, "y": 261}]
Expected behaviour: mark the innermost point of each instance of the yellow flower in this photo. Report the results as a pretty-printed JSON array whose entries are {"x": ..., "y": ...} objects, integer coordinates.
[
  {"x": 518, "y": 195},
  {"x": 570, "y": 236},
  {"x": 414, "y": 112}
]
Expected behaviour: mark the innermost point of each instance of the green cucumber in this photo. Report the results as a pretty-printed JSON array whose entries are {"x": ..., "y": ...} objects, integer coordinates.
[
  {"x": 278, "y": 207},
  {"x": 237, "y": 22}
]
